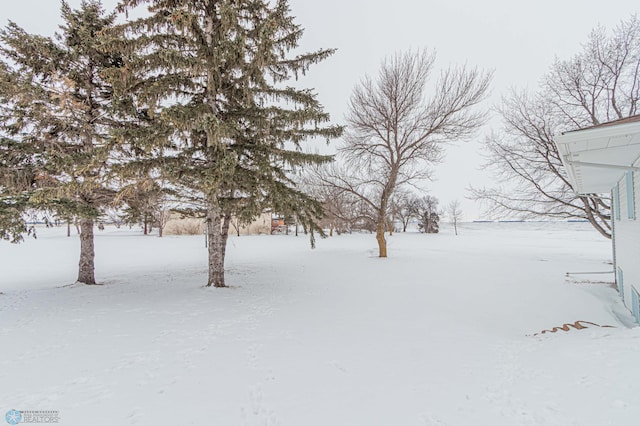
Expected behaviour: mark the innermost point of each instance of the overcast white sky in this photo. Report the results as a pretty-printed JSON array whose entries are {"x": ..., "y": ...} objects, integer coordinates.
[{"x": 518, "y": 39}]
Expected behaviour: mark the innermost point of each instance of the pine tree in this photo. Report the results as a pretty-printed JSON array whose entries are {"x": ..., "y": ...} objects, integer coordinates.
[
  {"x": 55, "y": 121},
  {"x": 215, "y": 71},
  {"x": 143, "y": 203},
  {"x": 17, "y": 178}
]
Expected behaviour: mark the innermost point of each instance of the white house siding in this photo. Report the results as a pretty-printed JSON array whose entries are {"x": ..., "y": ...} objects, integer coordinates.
[
  {"x": 636, "y": 187},
  {"x": 595, "y": 158},
  {"x": 627, "y": 243}
]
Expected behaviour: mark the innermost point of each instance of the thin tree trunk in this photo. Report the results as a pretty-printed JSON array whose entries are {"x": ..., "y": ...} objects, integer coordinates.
[
  {"x": 68, "y": 228},
  {"x": 455, "y": 227},
  {"x": 161, "y": 222},
  {"x": 214, "y": 234},
  {"x": 236, "y": 226},
  {"x": 382, "y": 242},
  {"x": 86, "y": 269}
]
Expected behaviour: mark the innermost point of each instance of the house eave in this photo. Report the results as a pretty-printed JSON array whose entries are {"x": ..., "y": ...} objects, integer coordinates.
[{"x": 597, "y": 158}]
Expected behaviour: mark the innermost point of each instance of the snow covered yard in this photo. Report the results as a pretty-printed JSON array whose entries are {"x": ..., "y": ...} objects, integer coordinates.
[{"x": 440, "y": 333}]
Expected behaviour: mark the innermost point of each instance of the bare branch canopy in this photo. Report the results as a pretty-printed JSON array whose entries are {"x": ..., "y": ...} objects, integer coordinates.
[{"x": 398, "y": 124}]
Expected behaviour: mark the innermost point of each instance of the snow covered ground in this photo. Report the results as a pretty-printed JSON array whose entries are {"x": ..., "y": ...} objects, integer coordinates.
[{"x": 440, "y": 333}]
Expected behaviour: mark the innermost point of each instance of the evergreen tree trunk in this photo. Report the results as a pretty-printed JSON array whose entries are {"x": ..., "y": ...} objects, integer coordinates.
[
  {"x": 86, "y": 270},
  {"x": 225, "y": 236},
  {"x": 68, "y": 228},
  {"x": 214, "y": 234},
  {"x": 382, "y": 242}
]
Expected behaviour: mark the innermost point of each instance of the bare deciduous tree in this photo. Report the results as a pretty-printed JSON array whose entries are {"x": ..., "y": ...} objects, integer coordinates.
[
  {"x": 599, "y": 84},
  {"x": 395, "y": 131},
  {"x": 454, "y": 212},
  {"x": 405, "y": 206},
  {"x": 344, "y": 212},
  {"x": 428, "y": 215}
]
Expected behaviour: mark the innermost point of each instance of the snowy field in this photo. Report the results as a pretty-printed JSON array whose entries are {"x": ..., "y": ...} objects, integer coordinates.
[{"x": 440, "y": 333}]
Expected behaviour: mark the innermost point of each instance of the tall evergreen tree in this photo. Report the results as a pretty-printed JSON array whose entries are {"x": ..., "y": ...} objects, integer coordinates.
[
  {"x": 55, "y": 121},
  {"x": 215, "y": 71}
]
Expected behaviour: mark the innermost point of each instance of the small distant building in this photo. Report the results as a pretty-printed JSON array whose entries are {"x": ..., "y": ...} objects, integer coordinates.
[
  {"x": 278, "y": 225},
  {"x": 606, "y": 159}
]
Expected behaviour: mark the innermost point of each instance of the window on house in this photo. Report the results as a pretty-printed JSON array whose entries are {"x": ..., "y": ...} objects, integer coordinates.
[
  {"x": 631, "y": 205},
  {"x": 635, "y": 303},
  {"x": 620, "y": 283}
]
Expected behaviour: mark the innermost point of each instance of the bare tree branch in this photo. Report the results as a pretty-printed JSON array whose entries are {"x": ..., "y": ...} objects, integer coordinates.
[
  {"x": 395, "y": 132},
  {"x": 599, "y": 84}
]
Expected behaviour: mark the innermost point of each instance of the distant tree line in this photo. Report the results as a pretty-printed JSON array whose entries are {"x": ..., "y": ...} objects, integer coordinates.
[{"x": 345, "y": 214}]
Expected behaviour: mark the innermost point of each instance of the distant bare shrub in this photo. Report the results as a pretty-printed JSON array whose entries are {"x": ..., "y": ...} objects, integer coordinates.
[{"x": 184, "y": 227}]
